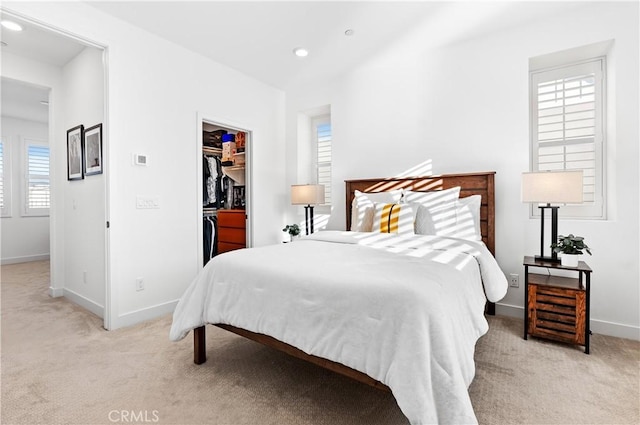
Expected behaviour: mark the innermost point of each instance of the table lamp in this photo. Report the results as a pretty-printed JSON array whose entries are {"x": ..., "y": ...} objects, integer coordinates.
[
  {"x": 551, "y": 187},
  {"x": 307, "y": 195}
]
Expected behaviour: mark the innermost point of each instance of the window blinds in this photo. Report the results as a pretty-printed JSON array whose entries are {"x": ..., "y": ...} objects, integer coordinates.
[
  {"x": 323, "y": 138},
  {"x": 567, "y": 117},
  {"x": 38, "y": 194}
]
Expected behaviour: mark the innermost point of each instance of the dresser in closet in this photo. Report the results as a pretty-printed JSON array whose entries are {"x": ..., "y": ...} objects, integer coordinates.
[{"x": 232, "y": 233}]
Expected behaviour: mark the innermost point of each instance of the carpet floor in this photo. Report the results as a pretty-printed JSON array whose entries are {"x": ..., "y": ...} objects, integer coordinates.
[{"x": 59, "y": 366}]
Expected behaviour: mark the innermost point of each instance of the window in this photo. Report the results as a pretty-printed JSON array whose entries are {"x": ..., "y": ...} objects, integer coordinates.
[
  {"x": 322, "y": 138},
  {"x": 37, "y": 194},
  {"x": 5, "y": 186},
  {"x": 567, "y": 128}
]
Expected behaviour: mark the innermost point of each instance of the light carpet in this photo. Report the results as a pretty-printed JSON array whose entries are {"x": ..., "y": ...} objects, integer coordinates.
[{"x": 59, "y": 366}]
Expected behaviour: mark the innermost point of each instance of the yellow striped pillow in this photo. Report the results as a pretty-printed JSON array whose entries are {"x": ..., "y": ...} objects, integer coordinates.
[{"x": 393, "y": 218}]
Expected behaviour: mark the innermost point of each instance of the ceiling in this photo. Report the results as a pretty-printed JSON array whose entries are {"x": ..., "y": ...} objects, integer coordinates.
[
  {"x": 22, "y": 100},
  {"x": 258, "y": 38}
]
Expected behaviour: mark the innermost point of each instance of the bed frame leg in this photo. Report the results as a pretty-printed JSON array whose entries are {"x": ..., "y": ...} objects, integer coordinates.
[
  {"x": 491, "y": 309},
  {"x": 199, "y": 345}
]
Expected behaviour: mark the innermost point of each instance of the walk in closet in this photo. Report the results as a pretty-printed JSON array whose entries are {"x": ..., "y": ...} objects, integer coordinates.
[{"x": 224, "y": 194}]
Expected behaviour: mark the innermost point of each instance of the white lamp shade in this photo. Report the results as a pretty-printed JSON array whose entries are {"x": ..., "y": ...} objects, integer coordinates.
[
  {"x": 307, "y": 194},
  {"x": 552, "y": 187}
]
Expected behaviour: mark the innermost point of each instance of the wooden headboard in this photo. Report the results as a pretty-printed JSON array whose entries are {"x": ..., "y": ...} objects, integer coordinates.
[{"x": 470, "y": 184}]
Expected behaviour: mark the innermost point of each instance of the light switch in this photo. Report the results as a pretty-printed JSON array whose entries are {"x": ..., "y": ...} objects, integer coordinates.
[{"x": 147, "y": 202}]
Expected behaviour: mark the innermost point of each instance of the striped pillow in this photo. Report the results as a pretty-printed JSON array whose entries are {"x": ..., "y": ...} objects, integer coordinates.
[{"x": 393, "y": 218}]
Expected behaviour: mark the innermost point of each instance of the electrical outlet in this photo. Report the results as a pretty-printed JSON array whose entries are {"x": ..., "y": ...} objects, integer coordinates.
[
  {"x": 514, "y": 280},
  {"x": 139, "y": 284}
]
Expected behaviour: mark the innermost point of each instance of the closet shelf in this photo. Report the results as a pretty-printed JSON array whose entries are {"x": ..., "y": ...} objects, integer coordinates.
[
  {"x": 235, "y": 173},
  {"x": 212, "y": 151}
]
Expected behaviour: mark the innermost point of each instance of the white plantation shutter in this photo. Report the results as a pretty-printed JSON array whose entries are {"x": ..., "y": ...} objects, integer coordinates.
[
  {"x": 322, "y": 135},
  {"x": 568, "y": 128},
  {"x": 37, "y": 197}
]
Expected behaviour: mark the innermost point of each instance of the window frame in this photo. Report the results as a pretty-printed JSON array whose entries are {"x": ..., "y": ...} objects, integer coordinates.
[
  {"x": 26, "y": 210},
  {"x": 6, "y": 211},
  {"x": 597, "y": 208}
]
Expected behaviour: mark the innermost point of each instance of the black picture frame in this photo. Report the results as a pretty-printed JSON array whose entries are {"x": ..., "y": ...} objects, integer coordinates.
[
  {"x": 75, "y": 157},
  {"x": 92, "y": 149}
]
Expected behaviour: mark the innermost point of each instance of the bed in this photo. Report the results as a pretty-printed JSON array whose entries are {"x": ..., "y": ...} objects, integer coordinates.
[{"x": 400, "y": 312}]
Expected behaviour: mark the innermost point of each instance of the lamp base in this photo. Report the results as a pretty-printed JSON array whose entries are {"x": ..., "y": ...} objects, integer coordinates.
[
  {"x": 554, "y": 234},
  {"x": 546, "y": 259}
]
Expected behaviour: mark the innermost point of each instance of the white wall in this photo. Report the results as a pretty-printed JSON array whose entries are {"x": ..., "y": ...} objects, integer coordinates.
[
  {"x": 464, "y": 107},
  {"x": 155, "y": 91},
  {"x": 23, "y": 238},
  {"x": 84, "y": 200}
]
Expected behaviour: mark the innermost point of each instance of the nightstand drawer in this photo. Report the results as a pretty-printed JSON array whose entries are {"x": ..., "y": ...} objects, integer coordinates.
[{"x": 557, "y": 313}]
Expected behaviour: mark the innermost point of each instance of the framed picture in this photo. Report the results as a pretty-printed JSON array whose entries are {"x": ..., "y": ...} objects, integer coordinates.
[
  {"x": 74, "y": 153},
  {"x": 93, "y": 150}
]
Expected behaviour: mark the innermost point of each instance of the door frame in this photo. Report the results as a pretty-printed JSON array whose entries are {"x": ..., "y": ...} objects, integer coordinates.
[
  {"x": 221, "y": 122},
  {"x": 56, "y": 261}
]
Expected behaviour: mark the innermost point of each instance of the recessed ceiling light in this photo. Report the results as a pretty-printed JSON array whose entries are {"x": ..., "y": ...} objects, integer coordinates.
[
  {"x": 300, "y": 52},
  {"x": 10, "y": 25},
  {"x": 349, "y": 32}
]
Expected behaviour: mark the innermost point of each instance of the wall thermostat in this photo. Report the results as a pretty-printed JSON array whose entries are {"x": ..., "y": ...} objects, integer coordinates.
[{"x": 139, "y": 159}]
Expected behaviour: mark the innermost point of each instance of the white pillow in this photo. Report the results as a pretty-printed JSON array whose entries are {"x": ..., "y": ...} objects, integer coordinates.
[
  {"x": 468, "y": 218},
  {"x": 363, "y": 204},
  {"x": 458, "y": 220},
  {"x": 434, "y": 209},
  {"x": 432, "y": 198},
  {"x": 393, "y": 218}
]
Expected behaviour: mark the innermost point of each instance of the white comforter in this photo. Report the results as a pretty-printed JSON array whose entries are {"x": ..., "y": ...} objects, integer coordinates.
[{"x": 405, "y": 310}]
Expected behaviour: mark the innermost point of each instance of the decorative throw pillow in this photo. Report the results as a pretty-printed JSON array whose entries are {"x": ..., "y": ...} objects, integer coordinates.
[
  {"x": 362, "y": 207},
  {"x": 393, "y": 218}
]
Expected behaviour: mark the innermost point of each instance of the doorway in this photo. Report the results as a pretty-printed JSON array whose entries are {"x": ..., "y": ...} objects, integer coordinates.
[
  {"x": 78, "y": 237},
  {"x": 224, "y": 188}
]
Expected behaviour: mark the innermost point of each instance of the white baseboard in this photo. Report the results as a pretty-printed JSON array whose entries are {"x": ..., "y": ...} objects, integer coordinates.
[
  {"x": 82, "y": 301},
  {"x": 597, "y": 326},
  {"x": 510, "y": 310},
  {"x": 143, "y": 315},
  {"x": 56, "y": 292},
  {"x": 615, "y": 329},
  {"x": 24, "y": 259}
]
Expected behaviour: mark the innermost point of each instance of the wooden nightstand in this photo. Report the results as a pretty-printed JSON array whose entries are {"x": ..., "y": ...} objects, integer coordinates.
[{"x": 557, "y": 307}]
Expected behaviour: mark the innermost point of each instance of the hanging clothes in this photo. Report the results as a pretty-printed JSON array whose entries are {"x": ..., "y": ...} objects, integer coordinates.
[
  {"x": 212, "y": 180},
  {"x": 219, "y": 193},
  {"x": 206, "y": 173},
  {"x": 210, "y": 238}
]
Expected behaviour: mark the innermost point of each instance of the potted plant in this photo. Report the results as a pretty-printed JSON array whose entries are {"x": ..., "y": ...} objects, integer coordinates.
[
  {"x": 570, "y": 247},
  {"x": 292, "y": 229}
]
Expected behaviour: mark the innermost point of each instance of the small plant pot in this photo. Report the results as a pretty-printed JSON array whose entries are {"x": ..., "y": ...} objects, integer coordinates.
[{"x": 569, "y": 260}]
